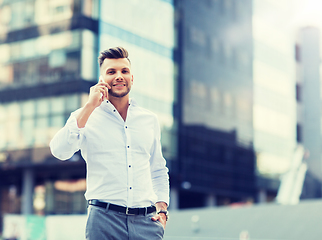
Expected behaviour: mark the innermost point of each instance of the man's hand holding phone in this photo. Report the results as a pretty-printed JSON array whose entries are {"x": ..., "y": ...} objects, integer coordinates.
[{"x": 98, "y": 93}]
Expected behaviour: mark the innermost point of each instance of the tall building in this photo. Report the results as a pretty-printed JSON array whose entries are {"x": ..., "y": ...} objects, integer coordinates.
[
  {"x": 274, "y": 93},
  {"x": 308, "y": 96},
  {"x": 47, "y": 66},
  {"x": 215, "y": 161}
]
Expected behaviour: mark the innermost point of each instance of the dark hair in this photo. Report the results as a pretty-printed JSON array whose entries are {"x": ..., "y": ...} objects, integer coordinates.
[{"x": 113, "y": 53}]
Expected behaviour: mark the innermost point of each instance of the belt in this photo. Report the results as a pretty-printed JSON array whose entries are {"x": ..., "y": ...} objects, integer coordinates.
[{"x": 121, "y": 209}]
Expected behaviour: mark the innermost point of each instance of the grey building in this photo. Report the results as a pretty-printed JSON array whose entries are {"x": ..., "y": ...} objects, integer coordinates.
[{"x": 308, "y": 95}]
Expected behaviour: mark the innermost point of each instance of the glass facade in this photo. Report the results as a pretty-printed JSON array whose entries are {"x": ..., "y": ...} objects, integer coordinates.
[
  {"x": 48, "y": 62},
  {"x": 46, "y": 59},
  {"x": 39, "y": 42},
  {"x": 274, "y": 87},
  {"x": 33, "y": 123},
  {"x": 214, "y": 57},
  {"x": 217, "y": 88},
  {"x": 21, "y": 14}
]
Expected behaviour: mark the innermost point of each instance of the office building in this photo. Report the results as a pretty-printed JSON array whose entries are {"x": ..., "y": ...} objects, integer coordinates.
[
  {"x": 47, "y": 66},
  {"x": 215, "y": 161}
]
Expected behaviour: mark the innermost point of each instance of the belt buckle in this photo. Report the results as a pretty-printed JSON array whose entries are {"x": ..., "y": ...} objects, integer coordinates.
[{"x": 127, "y": 211}]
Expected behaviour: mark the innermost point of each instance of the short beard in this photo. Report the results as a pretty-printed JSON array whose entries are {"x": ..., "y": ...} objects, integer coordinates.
[{"x": 118, "y": 95}]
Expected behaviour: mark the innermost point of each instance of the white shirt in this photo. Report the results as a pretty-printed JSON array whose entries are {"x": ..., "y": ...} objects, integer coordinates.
[{"x": 124, "y": 160}]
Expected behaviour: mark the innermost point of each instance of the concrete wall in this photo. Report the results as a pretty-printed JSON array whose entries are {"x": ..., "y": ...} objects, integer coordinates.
[{"x": 257, "y": 222}]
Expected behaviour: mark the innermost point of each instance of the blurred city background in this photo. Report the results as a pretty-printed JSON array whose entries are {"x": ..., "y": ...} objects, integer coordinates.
[{"x": 236, "y": 87}]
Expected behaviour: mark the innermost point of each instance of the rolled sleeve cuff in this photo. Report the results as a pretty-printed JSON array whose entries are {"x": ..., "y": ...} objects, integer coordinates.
[
  {"x": 164, "y": 199},
  {"x": 74, "y": 130}
]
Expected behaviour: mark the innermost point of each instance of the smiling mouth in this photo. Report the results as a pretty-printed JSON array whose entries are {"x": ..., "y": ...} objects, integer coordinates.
[{"x": 118, "y": 85}]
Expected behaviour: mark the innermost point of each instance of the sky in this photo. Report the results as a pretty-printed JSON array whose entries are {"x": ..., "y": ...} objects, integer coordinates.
[{"x": 308, "y": 12}]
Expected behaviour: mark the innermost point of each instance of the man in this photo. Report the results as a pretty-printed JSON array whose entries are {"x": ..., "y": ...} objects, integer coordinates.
[{"x": 127, "y": 178}]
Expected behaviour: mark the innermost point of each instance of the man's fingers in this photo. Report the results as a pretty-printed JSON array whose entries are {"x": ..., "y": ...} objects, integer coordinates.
[
  {"x": 103, "y": 87},
  {"x": 158, "y": 218},
  {"x": 155, "y": 218},
  {"x": 102, "y": 90},
  {"x": 104, "y": 93},
  {"x": 102, "y": 83}
]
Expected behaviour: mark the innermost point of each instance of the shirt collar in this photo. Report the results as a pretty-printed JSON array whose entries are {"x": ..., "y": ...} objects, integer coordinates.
[
  {"x": 132, "y": 102},
  {"x": 108, "y": 106}
]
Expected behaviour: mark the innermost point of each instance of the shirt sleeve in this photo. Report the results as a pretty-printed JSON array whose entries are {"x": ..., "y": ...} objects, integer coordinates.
[
  {"x": 159, "y": 171},
  {"x": 67, "y": 140}
]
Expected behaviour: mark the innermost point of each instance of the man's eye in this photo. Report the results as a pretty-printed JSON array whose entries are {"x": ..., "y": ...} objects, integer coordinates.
[
  {"x": 125, "y": 71},
  {"x": 110, "y": 72}
]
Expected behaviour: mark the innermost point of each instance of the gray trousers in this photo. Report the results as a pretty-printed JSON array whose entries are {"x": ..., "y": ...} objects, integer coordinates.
[{"x": 105, "y": 224}]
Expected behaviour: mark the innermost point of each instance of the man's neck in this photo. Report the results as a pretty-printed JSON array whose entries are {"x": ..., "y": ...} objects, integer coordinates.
[{"x": 121, "y": 105}]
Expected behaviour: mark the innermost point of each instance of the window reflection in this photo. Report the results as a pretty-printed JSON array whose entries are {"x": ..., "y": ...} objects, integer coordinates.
[
  {"x": 48, "y": 58},
  {"x": 57, "y": 121},
  {"x": 3, "y": 137},
  {"x": 28, "y": 132},
  {"x": 33, "y": 123},
  {"x": 68, "y": 196},
  {"x": 28, "y": 109},
  {"x": 21, "y": 14},
  {"x": 4, "y": 53},
  {"x": 60, "y": 197},
  {"x": 57, "y": 105},
  {"x": 42, "y": 106},
  {"x": 42, "y": 123},
  {"x": 57, "y": 58},
  {"x": 71, "y": 102}
]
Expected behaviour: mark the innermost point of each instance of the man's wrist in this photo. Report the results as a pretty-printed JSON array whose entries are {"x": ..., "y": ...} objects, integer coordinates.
[
  {"x": 90, "y": 106},
  {"x": 165, "y": 213}
]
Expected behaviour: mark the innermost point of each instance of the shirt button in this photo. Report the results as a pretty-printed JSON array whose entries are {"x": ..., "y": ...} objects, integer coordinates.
[
  {"x": 125, "y": 126},
  {"x": 129, "y": 165},
  {"x": 106, "y": 101},
  {"x": 130, "y": 187},
  {"x": 114, "y": 110},
  {"x": 128, "y": 146}
]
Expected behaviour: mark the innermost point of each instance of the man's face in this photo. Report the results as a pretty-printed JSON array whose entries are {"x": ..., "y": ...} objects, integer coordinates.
[{"x": 117, "y": 73}]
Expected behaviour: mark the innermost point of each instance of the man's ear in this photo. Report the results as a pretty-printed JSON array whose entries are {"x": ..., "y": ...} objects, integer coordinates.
[
  {"x": 132, "y": 79},
  {"x": 101, "y": 78}
]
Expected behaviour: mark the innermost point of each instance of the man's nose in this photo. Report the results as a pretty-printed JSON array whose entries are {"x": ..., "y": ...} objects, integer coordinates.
[{"x": 119, "y": 76}]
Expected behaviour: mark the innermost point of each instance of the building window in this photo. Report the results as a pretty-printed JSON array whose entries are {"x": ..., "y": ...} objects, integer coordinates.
[
  {"x": 298, "y": 133},
  {"x": 216, "y": 48},
  {"x": 209, "y": 51},
  {"x": 227, "y": 6},
  {"x": 32, "y": 123},
  {"x": 298, "y": 92},
  {"x": 297, "y": 53},
  {"x": 197, "y": 36},
  {"x": 227, "y": 52},
  {"x": 233, "y": 11},
  {"x": 208, "y": 3}
]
